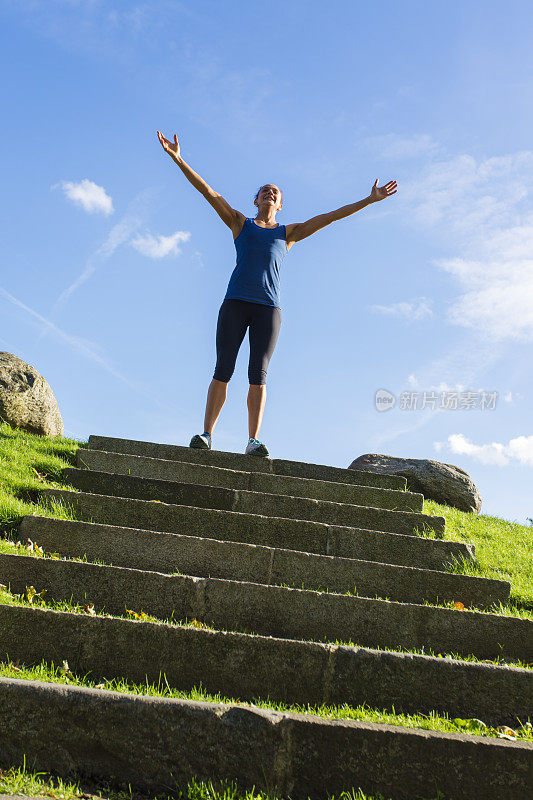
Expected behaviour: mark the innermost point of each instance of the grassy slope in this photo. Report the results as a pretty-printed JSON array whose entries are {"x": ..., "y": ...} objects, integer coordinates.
[
  {"x": 20, "y": 781},
  {"x": 503, "y": 549}
]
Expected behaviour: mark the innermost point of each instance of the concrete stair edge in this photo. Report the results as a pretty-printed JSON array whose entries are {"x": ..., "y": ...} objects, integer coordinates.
[
  {"x": 210, "y": 475},
  {"x": 246, "y": 666},
  {"x": 294, "y": 534},
  {"x": 225, "y": 457},
  {"x": 290, "y": 754},
  {"x": 251, "y": 502},
  {"x": 269, "y": 610},
  {"x": 201, "y": 556}
]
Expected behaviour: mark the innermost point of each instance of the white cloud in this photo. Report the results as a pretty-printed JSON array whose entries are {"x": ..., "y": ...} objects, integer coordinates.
[
  {"x": 480, "y": 212},
  {"x": 465, "y": 195},
  {"x": 87, "y": 194},
  {"x": 483, "y": 208},
  {"x": 438, "y": 446},
  {"x": 393, "y": 146},
  {"x": 519, "y": 449},
  {"x": 199, "y": 259},
  {"x": 446, "y": 387},
  {"x": 160, "y": 246},
  {"x": 118, "y": 234},
  {"x": 76, "y": 343},
  {"x": 508, "y": 397},
  {"x": 411, "y": 310},
  {"x": 84, "y": 347}
]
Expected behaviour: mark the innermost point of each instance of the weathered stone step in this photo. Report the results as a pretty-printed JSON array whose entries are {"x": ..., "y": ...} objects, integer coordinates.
[
  {"x": 156, "y": 745},
  {"x": 247, "y": 667},
  {"x": 294, "y": 755},
  {"x": 292, "y": 534},
  {"x": 246, "y": 502},
  {"x": 238, "y": 461},
  {"x": 168, "y": 552},
  {"x": 275, "y": 610},
  {"x": 203, "y": 474}
]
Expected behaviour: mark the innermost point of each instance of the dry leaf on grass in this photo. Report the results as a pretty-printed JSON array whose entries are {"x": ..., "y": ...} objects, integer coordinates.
[
  {"x": 507, "y": 733},
  {"x": 33, "y": 595},
  {"x": 65, "y": 670},
  {"x": 135, "y": 615}
]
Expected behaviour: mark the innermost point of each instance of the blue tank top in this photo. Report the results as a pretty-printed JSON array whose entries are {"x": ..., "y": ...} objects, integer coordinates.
[{"x": 260, "y": 252}]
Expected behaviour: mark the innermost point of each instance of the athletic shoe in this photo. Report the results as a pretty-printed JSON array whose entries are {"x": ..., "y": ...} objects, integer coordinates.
[
  {"x": 202, "y": 441},
  {"x": 255, "y": 448}
]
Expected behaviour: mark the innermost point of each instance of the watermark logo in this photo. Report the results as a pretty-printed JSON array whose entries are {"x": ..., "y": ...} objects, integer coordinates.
[
  {"x": 442, "y": 401},
  {"x": 384, "y": 400}
]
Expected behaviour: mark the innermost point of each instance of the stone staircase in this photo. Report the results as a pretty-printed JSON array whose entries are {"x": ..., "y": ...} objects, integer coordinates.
[{"x": 307, "y": 584}]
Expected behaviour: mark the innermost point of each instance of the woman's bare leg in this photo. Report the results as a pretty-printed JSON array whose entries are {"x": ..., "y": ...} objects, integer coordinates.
[
  {"x": 216, "y": 397},
  {"x": 256, "y": 405}
]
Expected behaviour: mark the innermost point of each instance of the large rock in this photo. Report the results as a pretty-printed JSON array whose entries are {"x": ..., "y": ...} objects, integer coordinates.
[
  {"x": 26, "y": 399},
  {"x": 445, "y": 483}
]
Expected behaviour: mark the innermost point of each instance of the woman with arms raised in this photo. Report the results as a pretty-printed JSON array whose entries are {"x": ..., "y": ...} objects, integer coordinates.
[{"x": 252, "y": 297}]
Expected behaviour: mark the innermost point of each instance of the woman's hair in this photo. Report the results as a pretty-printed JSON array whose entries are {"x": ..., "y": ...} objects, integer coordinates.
[{"x": 257, "y": 193}]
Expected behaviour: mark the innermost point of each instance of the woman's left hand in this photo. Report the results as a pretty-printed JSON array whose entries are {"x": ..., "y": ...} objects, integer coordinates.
[{"x": 381, "y": 192}]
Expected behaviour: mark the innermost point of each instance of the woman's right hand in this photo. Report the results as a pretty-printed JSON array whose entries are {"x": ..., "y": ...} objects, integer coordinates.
[{"x": 172, "y": 148}]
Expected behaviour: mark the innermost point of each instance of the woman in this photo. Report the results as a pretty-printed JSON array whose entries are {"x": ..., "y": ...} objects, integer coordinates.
[{"x": 252, "y": 297}]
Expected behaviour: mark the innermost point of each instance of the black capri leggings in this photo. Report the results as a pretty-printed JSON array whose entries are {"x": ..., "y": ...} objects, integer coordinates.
[{"x": 263, "y": 322}]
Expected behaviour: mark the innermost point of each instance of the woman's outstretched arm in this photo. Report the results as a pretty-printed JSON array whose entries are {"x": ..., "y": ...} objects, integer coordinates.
[
  {"x": 228, "y": 214},
  {"x": 301, "y": 230}
]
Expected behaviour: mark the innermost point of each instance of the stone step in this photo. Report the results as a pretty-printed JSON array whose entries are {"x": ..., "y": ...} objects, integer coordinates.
[
  {"x": 275, "y": 610},
  {"x": 250, "y": 667},
  {"x": 238, "y": 461},
  {"x": 291, "y": 534},
  {"x": 190, "y": 472},
  {"x": 246, "y": 502},
  {"x": 157, "y": 744},
  {"x": 168, "y": 552}
]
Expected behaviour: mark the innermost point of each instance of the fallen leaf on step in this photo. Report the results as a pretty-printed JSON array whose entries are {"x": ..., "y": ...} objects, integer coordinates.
[
  {"x": 459, "y": 606},
  {"x": 32, "y": 594},
  {"x": 89, "y": 609},
  {"x": 135, "y": 615},
  {"x": 507, "y": 733},
  {"x": 32, "y": 547},
  {"x": 65, "y": 670}
]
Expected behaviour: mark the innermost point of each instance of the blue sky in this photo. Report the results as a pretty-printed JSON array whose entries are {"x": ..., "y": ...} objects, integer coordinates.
[{"x": 114, "y": 266}]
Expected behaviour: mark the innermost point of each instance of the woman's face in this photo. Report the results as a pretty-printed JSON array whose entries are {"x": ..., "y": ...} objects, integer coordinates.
[{"x": 269, "y": 195}]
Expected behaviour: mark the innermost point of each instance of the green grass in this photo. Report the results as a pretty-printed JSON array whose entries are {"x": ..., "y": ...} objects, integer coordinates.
[
  {"x": 51, "y": 673},
  {"x": 21, "y": 781},
  {"x": 28, "y": 463},
  {"x": 504, "y": 550}
]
